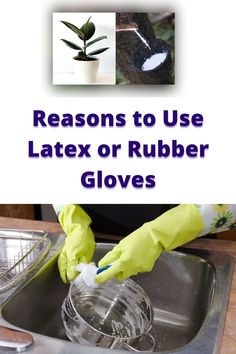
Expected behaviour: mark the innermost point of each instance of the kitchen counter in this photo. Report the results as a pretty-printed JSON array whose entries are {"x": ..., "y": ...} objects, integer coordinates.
[{"x": 229, "y": 337}]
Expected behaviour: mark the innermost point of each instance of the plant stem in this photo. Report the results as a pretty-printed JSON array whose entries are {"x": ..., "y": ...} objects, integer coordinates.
[{"x": 84, "y": 47}]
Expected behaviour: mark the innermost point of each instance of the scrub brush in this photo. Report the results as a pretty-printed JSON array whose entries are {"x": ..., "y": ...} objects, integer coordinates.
[{"x": 88, "y": 273}]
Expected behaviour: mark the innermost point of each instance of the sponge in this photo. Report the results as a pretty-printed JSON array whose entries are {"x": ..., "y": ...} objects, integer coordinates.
[{"x": 87, "y": 274}]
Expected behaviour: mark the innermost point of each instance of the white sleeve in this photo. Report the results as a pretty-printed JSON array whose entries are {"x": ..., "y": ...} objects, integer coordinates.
[{"x": 217, "y": 217}]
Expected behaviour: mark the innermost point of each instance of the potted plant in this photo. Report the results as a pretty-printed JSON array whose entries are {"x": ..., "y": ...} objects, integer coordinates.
[{"x": 86, "y": 64}]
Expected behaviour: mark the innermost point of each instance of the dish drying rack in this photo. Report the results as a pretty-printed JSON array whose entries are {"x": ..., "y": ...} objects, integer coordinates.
[{"x": 20, "y": 252}]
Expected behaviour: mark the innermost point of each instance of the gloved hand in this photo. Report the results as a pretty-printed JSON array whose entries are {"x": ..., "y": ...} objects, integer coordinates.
[
  {"x": 139, "y": 251},
  {"x": 79, "y": 244}
]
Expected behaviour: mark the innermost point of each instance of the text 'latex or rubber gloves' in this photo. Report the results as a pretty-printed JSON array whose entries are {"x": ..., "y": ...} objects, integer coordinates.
[
  {"x": 79, "y": 244},
  {"x": 139, "y": 251}
]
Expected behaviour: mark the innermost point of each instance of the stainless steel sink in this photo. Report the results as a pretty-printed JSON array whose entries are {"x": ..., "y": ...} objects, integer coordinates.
[{"x": 188, "y": 289}]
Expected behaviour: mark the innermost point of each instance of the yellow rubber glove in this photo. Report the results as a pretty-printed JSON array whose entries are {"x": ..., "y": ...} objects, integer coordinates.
[
  {"x": 139, "y": 251},
  {"x": 79, "y": 244}
]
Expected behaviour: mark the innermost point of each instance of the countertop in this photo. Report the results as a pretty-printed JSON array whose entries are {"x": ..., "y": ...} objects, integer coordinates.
[{"x": 228, "y": 345}]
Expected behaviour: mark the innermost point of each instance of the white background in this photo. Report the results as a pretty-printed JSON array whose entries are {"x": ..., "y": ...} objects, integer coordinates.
[
  {"x": 62, "y": 55},
  {"x": 205, "y": 83}
]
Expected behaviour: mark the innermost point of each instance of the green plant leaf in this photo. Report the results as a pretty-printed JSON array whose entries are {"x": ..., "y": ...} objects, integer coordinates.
[
  {"x": 94, "y": 41},
  {"x": 85, "y": 27},
  {"x": 98, "y": 51},
  {"x": 74, "y": 29},
  {"x": 71, "y": 44},
  {"x": 88, "y": 30}
]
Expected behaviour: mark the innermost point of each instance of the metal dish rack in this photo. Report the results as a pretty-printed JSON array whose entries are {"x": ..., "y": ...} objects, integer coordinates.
[{"x": 20, "y": 252}]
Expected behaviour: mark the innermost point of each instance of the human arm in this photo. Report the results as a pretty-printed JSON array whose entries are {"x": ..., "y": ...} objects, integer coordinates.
[
  {"x": 79, "y": 244},
  {"x": 139, "y": 251}
]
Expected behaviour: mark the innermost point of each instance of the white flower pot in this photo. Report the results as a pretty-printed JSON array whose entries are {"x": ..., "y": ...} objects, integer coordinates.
[{"x": 86, "y": 71}]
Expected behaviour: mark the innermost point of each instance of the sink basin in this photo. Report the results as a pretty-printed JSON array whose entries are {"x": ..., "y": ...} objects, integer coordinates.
[{"x": 188, "y": 289}]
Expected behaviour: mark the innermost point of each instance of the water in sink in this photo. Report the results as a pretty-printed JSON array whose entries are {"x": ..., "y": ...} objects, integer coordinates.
[
  {"x": 111, "y": 319},
  {"x": 113, "y": 310}
]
